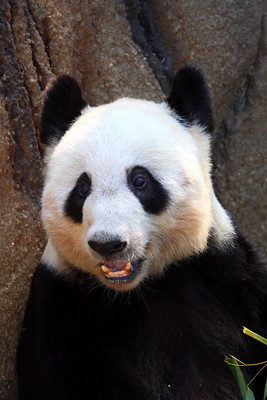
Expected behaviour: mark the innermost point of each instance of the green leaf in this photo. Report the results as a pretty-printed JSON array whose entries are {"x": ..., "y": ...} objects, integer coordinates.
[
  {"x": 265, "y": 391},
  {"x": 249, "y": 395},
  {"x": 254, "y": 335},
  {"x": 246, "y": 393}
]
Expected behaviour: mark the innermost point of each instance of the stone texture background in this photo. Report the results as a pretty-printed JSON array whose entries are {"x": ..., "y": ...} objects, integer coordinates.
[{"x": 123, "y": 48}]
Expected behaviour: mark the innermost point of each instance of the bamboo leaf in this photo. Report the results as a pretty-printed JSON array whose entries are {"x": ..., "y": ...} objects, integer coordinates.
[
  {"x": 254, "y": 335},
  {"x": 265, "y": 391},
  {"x": 249, "y": 395},
  {"x": 246, "y": 393}
]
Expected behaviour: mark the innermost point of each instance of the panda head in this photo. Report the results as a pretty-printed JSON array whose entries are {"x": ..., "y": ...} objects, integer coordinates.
[{"x": 127, "y": 187}]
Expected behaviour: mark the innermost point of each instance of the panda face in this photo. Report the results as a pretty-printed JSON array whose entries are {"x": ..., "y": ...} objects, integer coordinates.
[
  {"x": 128, "y": 188},
  {"x": 125, "y": 193}
]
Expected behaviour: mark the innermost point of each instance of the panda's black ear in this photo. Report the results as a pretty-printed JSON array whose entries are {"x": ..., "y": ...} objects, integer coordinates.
[
  {"x": 190, "y": 97},
  {"x": 62, "y": 105}
]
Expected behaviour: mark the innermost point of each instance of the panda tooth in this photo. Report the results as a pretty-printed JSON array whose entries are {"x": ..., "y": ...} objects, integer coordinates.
[
  {"x": 117, "y": 273},
  {"x": 104, "y": 269},
  {"x": 128, "y": 267}
]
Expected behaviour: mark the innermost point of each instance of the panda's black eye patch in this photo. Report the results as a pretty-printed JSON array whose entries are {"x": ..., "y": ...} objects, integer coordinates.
[
  {"x": 150, "y": 192},
  {"x": 76, "y": 198}
]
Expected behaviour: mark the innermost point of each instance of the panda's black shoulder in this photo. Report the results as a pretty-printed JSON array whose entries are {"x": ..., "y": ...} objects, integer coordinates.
[
  {"x": 60, "y": 293},
  {"x": 237, "y": 275}
]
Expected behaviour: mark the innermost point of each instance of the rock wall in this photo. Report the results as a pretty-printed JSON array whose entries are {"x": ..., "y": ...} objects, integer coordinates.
[{"x": 122, "y": 48}]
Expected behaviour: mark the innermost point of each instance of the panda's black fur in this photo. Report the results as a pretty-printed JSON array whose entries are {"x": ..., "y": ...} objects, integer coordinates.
[{"x": 166, "y": 341}]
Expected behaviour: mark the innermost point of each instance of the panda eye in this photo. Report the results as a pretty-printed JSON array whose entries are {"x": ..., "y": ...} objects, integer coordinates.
[
  {"x": 84, "y": 189},
  {"x": 147, "y": 189},
  {"x": 139, "y": 182}
]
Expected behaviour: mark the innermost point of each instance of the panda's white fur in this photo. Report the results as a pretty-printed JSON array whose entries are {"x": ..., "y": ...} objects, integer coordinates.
[{"x": 105, "y": 142}]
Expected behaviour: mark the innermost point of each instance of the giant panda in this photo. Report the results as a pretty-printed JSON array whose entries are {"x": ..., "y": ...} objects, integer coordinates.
[{"x": 145, "y": 283}]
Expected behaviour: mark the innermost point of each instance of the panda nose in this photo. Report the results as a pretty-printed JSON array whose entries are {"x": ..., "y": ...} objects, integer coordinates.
[{"x": 107, "y": 248}]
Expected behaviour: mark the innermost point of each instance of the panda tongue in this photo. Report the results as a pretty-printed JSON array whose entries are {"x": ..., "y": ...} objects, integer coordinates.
[{"x": 115, "y": 265}]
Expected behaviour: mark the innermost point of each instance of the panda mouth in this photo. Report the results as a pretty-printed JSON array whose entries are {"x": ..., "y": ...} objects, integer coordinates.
[{"x": 119, "y": 270}]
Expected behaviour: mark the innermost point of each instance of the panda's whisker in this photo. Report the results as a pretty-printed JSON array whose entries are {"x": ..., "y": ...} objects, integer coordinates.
[
  {"x": 92, "y": 285},
  {"x": 142, "y": 297},
  {"x": 149, "y": 255},
  {"x": 146, "y": 286},
  {"x": 108, "y": 296}
]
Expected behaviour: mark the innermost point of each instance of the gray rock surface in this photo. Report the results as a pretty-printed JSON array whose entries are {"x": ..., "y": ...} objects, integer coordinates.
[
  {"x": 114, "y": 49},
  {"x": 228, "y": 40}
]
